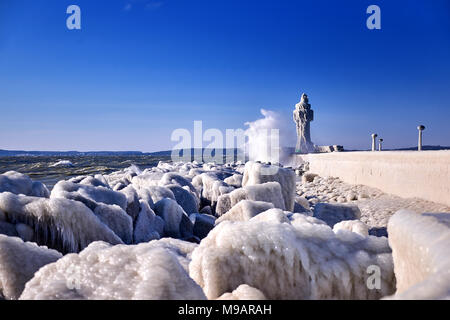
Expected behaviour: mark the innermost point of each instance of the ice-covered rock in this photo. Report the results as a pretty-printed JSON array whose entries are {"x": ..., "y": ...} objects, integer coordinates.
[
  {"x": 334, "y": 213},
  {"x": 211, "y": 187},
  {"x": 171, "y": 178},
  {"x": 185, "y": 198},
  {"x": 147, "y": 271},
  {"x": 19, "y": 183},
  {"x": 146, "y": 179},
  {"x": 133, "y": 206},
  {"x": 88, "y": 195},
  {"x": 25, "y": 232},
  {"x": 243, "y": 292},
  {"x": 269, "y": 192},
  {"x": 176, "y": 222},
  {"x": 203, "y": 224},
  {"x": 356, "y": 226},
  {"x": 235, "y": 180},
  {"x": 420, "y": 245},
  {"x": 94, "y": 182},
  {"x": 258, "y": 173},
  {"x": 149, "y": 226},
  {"x": 62, "y": 224},
  {"x": 158, "y": 193},
  {"x": 308, "y": 261},
  {"x": 18, "y": 262},
  {"x": 245, "y": 210},
  {"x": 115, "y": 218},
  {"x": 8, "y": 229},
  {"x": 38, "y": 189}
]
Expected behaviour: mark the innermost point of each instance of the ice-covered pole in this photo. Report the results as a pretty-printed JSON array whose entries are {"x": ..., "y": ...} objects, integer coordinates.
[
  {"x": 380, "y": 144},
  {"x": 374, "y": 137},
  {"x": 420, "y": 128}
]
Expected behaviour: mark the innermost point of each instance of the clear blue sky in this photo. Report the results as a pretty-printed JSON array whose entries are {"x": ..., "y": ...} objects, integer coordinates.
[{"x": 139, "y": 69}]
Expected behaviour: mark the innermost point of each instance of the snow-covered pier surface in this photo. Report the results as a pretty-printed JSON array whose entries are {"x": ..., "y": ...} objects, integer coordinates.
[
  {"x": 424, "y": 174},
  {"x": 209, "y": 231}
]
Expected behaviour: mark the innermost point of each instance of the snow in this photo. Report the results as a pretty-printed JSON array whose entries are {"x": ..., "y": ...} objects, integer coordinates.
[{"x": 62, "y": 164}]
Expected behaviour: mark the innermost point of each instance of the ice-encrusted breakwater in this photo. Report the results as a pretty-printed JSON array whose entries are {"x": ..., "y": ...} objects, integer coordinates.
[{"x": 208, "y": 231}]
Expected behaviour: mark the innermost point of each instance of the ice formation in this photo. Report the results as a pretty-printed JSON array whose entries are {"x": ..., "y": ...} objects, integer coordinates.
[
  {"x": 18, "y": 262},
  {"x": 89, "y": 195},
  {"x": 269, "y": 192},
  {"x": 258, "y": 173},
  {"x": 19, "y": 183},
  {"x": 420, "y": 245},
  {"x": 185, "y": 198},
  {"x": 147, "y": 271},
  {"x": 62, "y": 224},
  {"x": 148, "y": 225},
  {"x": 203, "y": 224},
  {"x": 356, "y": 226},
  {"x": 261, "y": 236},
  {"x": 176, "y": 222},
  {"x": 245, "y": 210},
  {"x": 290, "y": 261}
]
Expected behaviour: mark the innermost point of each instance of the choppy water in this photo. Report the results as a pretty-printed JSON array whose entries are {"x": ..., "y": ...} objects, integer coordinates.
[{"x": 41, "y": 167}]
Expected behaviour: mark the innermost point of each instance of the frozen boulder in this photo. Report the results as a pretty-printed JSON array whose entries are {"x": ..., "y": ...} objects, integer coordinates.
[
  {"x": 147, "y": 271},
  {"x": 211, "y": 187},
  {"x": 38, "y": 189},
  {"x": 356, "y": 226},
  {"x": 115, "y": 218},
  {"x": 203, "y": 224},
  {"x": 8, "y": 229},
  {"x": 235, "y": 180},
  {"x": 245, "y": 210},
  {"x": 62, "y": 224},
  {"x": 308, "y": 261},
  {"x": 176, "y": 222},
  {"x": 268, "y": 192},
  {"x": 420, "y": 245},
  {"x": 94, "y": 182},
  {"x": 186, "y": 199},
  {"x": 25, "y": 232},
  {"x": 88, "y": 195},
  {"x": 258, "y": 173},
  {"x": 243, "y": 292},
  {"x": 149, "y": 226},
  {"x": 133, "y": 206},
  {"x": 158, "y": 193},
  {"x": 19, "y": 183},
  {"x": 146, "y": 179},
  {"x": 171, "y": 178},
  {"x": 18, "y": 262},
  {"x": 334, "y": 213}
]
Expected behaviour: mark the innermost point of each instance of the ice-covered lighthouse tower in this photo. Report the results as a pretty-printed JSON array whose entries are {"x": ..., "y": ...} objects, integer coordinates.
[{"x": 303, "y": 115}]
